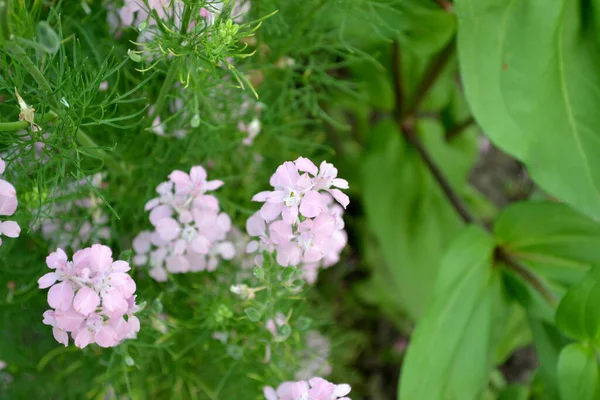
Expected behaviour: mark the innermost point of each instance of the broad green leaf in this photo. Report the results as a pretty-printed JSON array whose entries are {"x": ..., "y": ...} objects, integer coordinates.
[
  {"x": 449, "y": 356},
  {"x": 481, "y": 26},
  {"x": 535, "y": 98},
  {"x": 553, "y": 239},
  {"x": 548, "y": 342},
  {"x": 406, "y": 210},
  {"x": 577, "y": 372},
  {"x": 550, "y": 87},
  {"x": 577, "y": 314}
]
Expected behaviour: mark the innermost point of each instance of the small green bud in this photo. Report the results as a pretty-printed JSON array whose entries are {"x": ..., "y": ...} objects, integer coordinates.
[
  {"x": 157, "y": 306},
  {"x": 142, "y": 306},
  {"x": 142, "y": 27},
  {"x": 288, "y": 274},
  {"x": 222, "y": 313},
  {"x": 252, "y": 314},
  {"x": 126, "y": 255},
  {"x": 284, "y": 331},
  {"x": 47, "y": 37},
  {"x": 195, "y": 122},
  {"x": 235, "y": 351},
  {"x": 129, "y": 361},
  {"x": 134, "y": 56},
  {"x": 304, "y": 323},
  {"x": 259, "y": 273}
]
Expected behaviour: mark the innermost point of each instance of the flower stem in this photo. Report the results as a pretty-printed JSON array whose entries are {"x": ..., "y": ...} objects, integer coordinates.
[
  {"x": 20, "y": 55},
  {"x": 97, "y": 152},
  {"x": 19, "y": 125},
  {"x": 164, "y": 90}
]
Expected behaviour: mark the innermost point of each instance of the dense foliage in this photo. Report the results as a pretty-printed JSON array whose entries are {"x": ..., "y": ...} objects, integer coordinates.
[{"x": 246, "y": 199}]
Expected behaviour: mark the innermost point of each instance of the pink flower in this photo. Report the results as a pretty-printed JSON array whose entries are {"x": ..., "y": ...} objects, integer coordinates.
[
  {"x": 300, "y": 219},
  {"x": 315, "y": 389},
  {"x": 190, "y": 231},
  {"x": 8, "y": 206},
  {"x": 90, "y": 296}
]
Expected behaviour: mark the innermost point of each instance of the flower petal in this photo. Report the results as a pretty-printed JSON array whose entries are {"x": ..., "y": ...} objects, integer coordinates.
[
  {"x": 47, "y": 280},
  {"x": 86, "y": 301},
  {"x": 60, "y": 296},
  {"x": 305, "y": 165}
]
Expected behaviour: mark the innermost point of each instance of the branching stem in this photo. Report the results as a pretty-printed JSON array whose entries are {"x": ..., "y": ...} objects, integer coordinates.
[{"x": 406, "y": 121}]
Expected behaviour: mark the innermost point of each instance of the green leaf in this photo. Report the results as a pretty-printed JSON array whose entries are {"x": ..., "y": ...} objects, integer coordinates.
[
  {"x": 577, "y": 372},
  {"x": 406, "y": 210},
  {"x": 551, "y": 238},
  {"x": 548, "y": 342},
  {"x": 449, "y": 356},
  {"x": 535, "y": 98},
  {"x": 577, "y": 313},
  {"x": 480, "y": 42}
]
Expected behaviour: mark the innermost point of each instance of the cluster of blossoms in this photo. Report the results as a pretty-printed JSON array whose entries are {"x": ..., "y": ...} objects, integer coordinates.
[
  {"x": 249, "y": 120},
  {"x": 134, "y": 13},
  {"x": 90, "y": 297},
  {"x": 299, "y": 219},
  {"x": 8, "y": 206},
  {"x": 314, "y": 389},
  {"x": 190, "y": 231},
  {"x": 72, "y": 233}
]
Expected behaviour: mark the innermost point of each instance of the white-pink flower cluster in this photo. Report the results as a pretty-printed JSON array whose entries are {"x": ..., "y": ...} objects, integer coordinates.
[
  {"x": 92, "y": 297},
  {"x": 299, "y": 219},
  {"x": 190, "y": 232},
  {"x": 134, "y": 12},
  {"x": 315, "y": 389},
  {"x": 8, "y": 206}
]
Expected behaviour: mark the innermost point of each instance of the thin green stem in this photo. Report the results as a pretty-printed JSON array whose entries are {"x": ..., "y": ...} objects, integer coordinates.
[
  {"x": 19, "y": 125},
  {"x": 20, "y": 55},
  {"x": 96, "y": 152},
  {"x": 431, "y": 75},
  {"x": 185, "y": 21},
  {"x": 4, "y": 20},
  {"x": 164, "y": 90}
]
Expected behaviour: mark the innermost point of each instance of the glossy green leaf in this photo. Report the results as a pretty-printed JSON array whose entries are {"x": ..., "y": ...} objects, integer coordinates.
[
  {"x": 553, "y": 239},
  {"x": 577, "y": 372},
  {"x": 406, "y": 210},
  {"x": 449, "y": 355},
  {"x": 577, "y": 314},
  {"x": 536, "y": 97}
]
